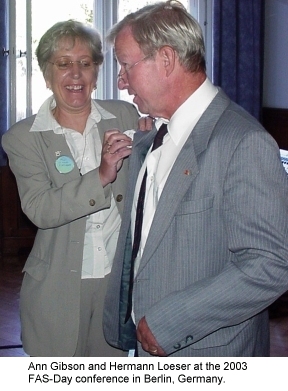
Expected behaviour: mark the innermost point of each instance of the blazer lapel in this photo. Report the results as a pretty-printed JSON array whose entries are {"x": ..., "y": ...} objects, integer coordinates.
[
  {"x": 56, "y": 147},
  {"x": 183, "y": 173},
  {"x": 142, "y": 142}
]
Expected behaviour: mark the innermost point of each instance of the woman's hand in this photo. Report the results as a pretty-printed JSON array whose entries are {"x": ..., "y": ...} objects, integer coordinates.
[
  {"x": 116, "y": 147},
  {"x": 145, "y": 123}
]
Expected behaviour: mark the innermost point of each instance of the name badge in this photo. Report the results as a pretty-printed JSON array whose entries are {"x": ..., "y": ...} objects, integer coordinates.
[{"x": 64, "y": 164}]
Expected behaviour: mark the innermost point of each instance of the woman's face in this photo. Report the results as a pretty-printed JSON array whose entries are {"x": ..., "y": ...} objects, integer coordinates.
[{"x": 72, "y": 83}]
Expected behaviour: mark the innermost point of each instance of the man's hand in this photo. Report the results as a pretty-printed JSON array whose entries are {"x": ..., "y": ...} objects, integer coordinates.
[
  {"x": 147, "y": 339},
  {"x": 116, "y": 147}
]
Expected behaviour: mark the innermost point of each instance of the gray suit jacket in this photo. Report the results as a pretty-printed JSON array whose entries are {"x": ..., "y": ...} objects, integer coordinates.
[
  {"x": 217, "y": 251},
  {"x": 58, "y": 205}
]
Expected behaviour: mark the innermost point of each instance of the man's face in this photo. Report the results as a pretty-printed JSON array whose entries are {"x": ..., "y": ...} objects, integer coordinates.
[{"x": 139, "y": 74}]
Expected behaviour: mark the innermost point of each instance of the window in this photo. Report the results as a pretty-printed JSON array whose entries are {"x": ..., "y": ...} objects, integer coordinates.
[
  {"x": 29, "y": 19},
  {"x": 32, "y": 18}
]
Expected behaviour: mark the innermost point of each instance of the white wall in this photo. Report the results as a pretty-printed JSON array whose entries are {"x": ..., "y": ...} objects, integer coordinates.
[{"x": 275, "y": 89}]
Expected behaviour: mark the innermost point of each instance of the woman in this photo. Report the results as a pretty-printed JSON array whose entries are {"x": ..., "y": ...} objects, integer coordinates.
[{"x": 69, "y": 190}]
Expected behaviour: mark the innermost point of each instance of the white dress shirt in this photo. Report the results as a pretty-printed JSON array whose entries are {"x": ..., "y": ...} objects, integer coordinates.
[
  {"x": 160, "y": 161},
  {"x": 102, "y": 228}
]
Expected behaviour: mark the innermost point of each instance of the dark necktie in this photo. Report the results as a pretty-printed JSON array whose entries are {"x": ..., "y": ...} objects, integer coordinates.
[{"x": 158, "y": 140}]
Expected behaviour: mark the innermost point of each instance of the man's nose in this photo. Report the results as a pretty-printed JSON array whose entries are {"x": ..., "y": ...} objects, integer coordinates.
[{"x": 123, "y": 83}]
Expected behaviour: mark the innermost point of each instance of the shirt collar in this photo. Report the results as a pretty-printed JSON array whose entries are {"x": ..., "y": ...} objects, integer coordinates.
[
  {"x": 184, "y": 118},
  {"x": 45, "y": 121}
]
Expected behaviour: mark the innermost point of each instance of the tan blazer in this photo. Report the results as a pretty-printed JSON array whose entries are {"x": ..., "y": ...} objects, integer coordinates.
[{"x": 57, "y": 204}]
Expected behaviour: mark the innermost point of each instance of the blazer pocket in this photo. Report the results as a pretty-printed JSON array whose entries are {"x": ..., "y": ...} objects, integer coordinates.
[
  {"x": 195, "y": 206},
  {"x": 36, "y": 267}
]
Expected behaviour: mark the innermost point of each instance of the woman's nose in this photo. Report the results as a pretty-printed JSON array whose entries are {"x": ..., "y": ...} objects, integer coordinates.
[{"x": 76, "y": 69}]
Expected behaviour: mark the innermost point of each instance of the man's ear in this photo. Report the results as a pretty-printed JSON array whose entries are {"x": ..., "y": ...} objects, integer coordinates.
[{"x": 168, "y": 57}]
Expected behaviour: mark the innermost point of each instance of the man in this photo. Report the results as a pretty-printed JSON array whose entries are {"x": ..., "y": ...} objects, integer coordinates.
[{"x": 214, "y": 250}]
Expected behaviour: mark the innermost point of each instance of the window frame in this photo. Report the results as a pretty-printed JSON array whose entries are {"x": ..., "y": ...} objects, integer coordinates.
[{"x": 104, "y": 19}]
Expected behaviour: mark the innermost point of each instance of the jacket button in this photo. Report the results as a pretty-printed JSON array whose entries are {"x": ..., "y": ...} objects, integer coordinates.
[
  {"x": 92, "y": 202},
  {"x": 119, "y": 198}
]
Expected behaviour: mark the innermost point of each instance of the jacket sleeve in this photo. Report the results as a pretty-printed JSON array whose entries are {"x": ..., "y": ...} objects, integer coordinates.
[
  {"x": 255, "y": 214},
  {"x": 48, "y": 198}
]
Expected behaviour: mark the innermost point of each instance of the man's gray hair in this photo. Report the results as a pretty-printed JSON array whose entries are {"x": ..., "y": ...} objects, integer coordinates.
[{"x": 166, "y": 24}]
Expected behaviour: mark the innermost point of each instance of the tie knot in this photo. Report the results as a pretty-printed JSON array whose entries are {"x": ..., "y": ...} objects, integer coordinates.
[{"x": 158, "y": 140}]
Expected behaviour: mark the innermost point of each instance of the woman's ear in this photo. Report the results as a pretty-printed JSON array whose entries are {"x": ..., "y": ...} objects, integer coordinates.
[{"x": 48, "y": 84}]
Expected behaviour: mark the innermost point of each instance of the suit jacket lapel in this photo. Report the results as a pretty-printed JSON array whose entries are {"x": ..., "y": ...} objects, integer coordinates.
[
  {"x": 183, "y": 173},
  {"x": 57, "y": 146},
  {"x": 141, "y": 144}
]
